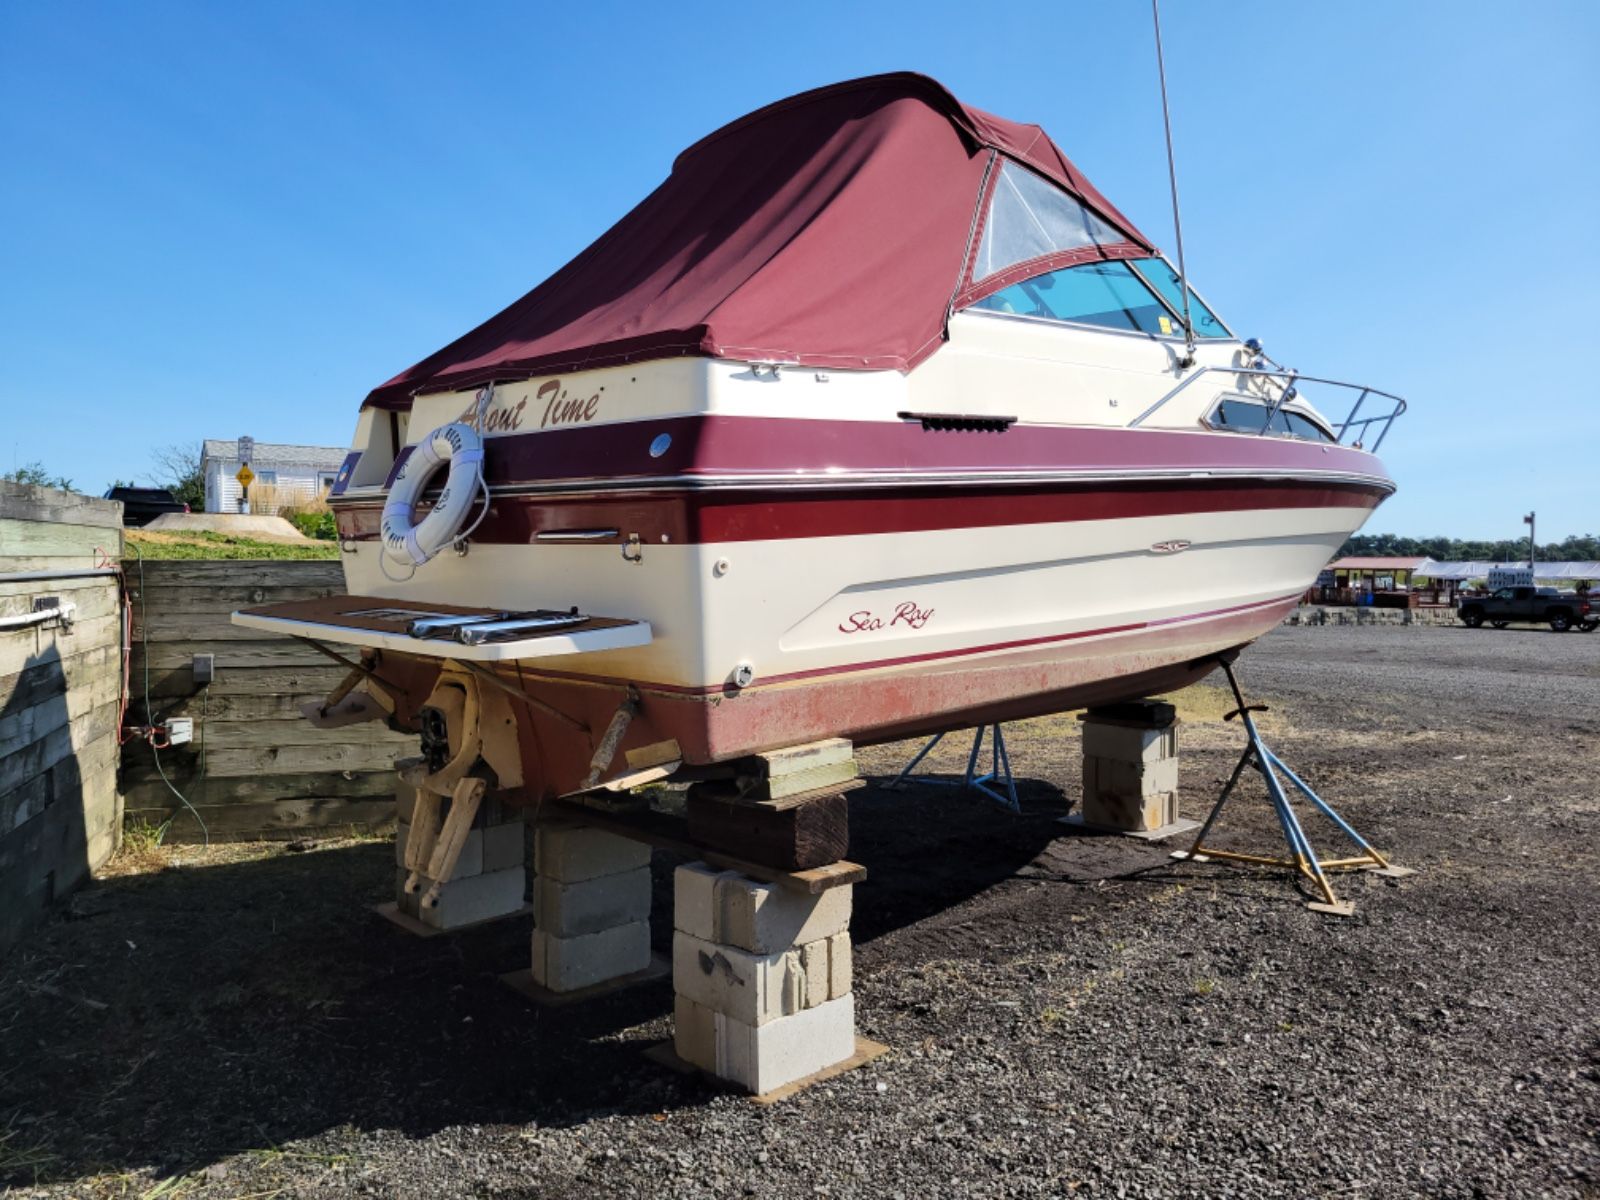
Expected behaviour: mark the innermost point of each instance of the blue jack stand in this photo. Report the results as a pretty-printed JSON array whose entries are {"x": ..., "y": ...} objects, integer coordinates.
[
  {"x": 1256, "y": 754},
  {"x": 999, "y": 769}
]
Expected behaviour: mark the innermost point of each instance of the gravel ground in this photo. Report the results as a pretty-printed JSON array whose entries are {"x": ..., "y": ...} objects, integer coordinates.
[{"x": 1067, "y": 1014}]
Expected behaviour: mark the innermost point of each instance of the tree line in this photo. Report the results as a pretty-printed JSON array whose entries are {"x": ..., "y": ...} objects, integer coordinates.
[
  {"x": 178, "y": 468},
  {"x": 1576, "y": 548}
]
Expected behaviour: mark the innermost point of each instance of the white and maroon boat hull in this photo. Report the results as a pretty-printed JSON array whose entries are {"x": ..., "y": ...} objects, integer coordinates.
[{"x": 918, "y": 580}]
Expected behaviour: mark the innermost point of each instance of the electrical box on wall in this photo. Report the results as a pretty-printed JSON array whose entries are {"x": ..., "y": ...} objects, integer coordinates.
[
  {"x": 179, "y": 730},
  {"x": 204, "y": 668}
]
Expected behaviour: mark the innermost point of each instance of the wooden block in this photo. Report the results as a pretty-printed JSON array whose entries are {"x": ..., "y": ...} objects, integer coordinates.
[
  {"x": 794, "y": 837},
  {"x": 796, "y": 770},
  {"x": 1145, "y": 713},
  {"x": 392, "y": 912},
  {"x": 816, "y": 778},
  {"x": 792, "y": 760}
]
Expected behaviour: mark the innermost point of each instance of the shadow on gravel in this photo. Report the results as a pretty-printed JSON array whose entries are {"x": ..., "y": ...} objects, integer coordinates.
[{"x": 171, "y": 1019}]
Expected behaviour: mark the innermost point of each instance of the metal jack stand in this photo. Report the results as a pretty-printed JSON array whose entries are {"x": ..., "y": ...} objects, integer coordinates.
[
  {"x": 1304, "y": 858},
  {"x": 999, "y": 769}
]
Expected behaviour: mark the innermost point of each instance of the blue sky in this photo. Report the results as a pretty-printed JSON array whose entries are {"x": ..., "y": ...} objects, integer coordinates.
[{"x": 223, "y": 219}]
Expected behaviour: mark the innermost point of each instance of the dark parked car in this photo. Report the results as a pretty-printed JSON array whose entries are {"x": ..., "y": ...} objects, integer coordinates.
[
  {"x": 141, "y": 505},
  {"x": 1539, "y": 606}
]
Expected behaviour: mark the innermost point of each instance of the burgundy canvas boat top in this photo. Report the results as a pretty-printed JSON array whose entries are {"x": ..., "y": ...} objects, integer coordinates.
[{"x": 836, "y": 228}]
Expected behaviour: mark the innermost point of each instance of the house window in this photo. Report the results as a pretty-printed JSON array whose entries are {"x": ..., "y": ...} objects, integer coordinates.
[
  {"x": 270, "y": 478},
  {"x": 325, "y": 481}
]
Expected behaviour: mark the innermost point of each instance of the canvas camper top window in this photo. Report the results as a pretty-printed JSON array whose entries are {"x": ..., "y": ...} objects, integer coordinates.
[{"x": 1030, "y": 217}]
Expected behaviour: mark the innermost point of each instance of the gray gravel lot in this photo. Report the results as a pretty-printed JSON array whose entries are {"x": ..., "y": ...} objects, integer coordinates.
[{"x": 1068, "y": 1015}]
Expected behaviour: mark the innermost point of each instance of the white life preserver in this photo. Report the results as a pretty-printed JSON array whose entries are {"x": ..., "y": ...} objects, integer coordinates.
[{"x": 457, "y": 446}]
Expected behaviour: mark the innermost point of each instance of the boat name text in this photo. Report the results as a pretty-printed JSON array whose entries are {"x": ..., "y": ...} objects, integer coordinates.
[
  {"x": 560, "y": 409},
  {"x": 497, "y": 420},
  {"x": 907, "y": 614}
]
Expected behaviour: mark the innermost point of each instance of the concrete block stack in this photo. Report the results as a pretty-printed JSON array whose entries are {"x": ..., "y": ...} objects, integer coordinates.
[
  {"x": 1130, "y": 766},
  {"x": 490, "y": 878},
  {"x": 762, "y": 977},
  {"x": 591, "y": 907}
]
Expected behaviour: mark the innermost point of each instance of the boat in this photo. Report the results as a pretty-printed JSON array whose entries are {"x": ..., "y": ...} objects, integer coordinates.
[{"x": 875, "y": 420}]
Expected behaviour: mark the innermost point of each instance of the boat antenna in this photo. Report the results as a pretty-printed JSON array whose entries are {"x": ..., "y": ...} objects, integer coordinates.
[{"x": 1172, "y": 176}]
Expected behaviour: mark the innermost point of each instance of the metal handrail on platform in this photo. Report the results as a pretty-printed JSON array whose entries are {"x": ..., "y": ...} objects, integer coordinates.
[{"x": 1291, "y": 380}]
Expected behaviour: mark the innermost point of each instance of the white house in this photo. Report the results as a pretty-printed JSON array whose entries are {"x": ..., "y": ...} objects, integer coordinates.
[{"x": 295, "y": 473}]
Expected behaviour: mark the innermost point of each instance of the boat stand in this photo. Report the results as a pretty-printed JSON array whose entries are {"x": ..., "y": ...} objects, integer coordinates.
[
  {"x": 999, "y": 769},
  {"x": 1304, "y": 859}
]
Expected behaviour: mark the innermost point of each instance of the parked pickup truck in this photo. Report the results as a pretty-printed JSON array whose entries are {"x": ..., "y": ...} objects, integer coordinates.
[{"x": 1540, "y": 606}]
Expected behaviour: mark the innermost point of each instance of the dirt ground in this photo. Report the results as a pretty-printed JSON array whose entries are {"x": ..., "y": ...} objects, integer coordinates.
[{"x": 1068, "y": 1014}]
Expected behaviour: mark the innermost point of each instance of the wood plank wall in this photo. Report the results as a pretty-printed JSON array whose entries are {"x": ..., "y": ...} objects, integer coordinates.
[
  {"x": 60, "y": 815},
  {"x": 256, "y": 769}
]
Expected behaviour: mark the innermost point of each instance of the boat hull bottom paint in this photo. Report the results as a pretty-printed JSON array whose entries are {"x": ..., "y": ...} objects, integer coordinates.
[{"x": 867, "y": 706}]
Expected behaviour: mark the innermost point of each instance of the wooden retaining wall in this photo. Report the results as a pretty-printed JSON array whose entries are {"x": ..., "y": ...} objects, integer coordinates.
[
  {"x": 60, "y": 815},
  {"x": 256, "y": 768}
]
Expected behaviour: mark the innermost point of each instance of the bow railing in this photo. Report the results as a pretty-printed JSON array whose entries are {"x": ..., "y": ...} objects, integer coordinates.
[{"x": 1354, "y": 426}]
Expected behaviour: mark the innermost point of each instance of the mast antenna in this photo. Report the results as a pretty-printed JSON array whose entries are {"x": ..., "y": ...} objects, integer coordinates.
[{"x": 1172, "y": 176}]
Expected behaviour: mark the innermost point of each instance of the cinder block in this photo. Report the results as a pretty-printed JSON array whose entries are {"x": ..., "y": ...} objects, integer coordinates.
[
  {"x": 470, "y": 863},
  {"x": 565, "y": 964},
  {"x": 826, "y": 962},
  {"x": 574, "y": 854},
  {"x": 1129, "y": 743},
  {"x": 1129, "y": 778},
  {"x": 571, "y": 909},
  {"x": 763, "y": 918},
  {"x": 503, "y": 845},
  {"x": 753, "y": 988},
  {"x": 760, "y": 1058},
  {"x": 1111, "y": 810},
  {"x": 468, "y": 901}
]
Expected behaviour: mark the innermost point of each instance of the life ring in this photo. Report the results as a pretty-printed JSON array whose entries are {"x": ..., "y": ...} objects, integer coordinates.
[{"x": 457, "y": 446}]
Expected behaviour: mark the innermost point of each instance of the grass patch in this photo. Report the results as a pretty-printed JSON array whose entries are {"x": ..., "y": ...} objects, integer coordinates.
[{"x": 205, "y": 544}]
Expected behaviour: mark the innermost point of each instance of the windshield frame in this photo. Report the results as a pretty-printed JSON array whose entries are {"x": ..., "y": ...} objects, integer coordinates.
[{"x": 1193, "y": 291}]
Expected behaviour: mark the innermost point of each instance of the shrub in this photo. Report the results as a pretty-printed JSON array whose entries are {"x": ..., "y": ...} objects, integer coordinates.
[{"x": 319, "y": 525}]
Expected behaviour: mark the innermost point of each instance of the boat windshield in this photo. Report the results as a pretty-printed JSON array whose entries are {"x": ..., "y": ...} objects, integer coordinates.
[
  {"x": 1108, "y": 294},
  {"x": 1161, "y": 275}
]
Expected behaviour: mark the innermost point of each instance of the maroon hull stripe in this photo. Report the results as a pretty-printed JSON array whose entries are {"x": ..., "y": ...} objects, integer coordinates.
[
  {"x": 725, "y": 446},
  {"x": 740, "y": 516}
]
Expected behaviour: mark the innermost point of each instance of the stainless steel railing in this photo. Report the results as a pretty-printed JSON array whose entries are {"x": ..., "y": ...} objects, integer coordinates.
[{"x": 1354, "y": 424}]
